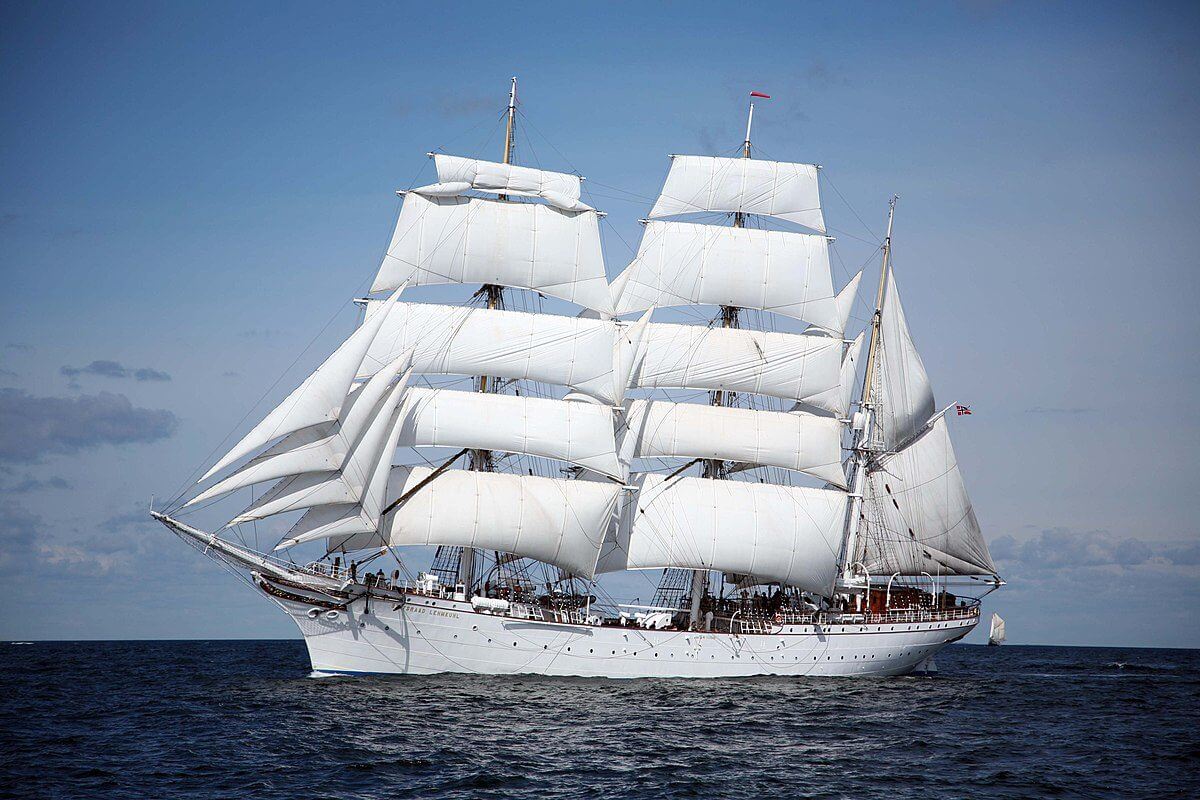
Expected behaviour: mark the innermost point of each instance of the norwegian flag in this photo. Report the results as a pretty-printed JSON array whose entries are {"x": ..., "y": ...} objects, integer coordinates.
[
  {"x": 962, "y": 410},
  {"x": 760, "y": 94}
]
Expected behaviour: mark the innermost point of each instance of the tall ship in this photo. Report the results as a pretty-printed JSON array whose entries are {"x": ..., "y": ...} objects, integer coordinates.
[{"x": 787, "y": 491}]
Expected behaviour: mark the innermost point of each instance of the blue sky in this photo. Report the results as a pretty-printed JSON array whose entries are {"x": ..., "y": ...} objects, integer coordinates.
[{"x": 190, "y": 195}]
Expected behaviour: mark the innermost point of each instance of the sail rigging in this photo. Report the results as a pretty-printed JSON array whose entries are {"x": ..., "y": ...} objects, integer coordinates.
[
  {"x": 600, "y": 440},
  {"x": 604, "y": 397}
]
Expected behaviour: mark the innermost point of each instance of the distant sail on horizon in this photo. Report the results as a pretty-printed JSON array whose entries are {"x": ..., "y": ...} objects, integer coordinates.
[{"x": 996, "y": 634}]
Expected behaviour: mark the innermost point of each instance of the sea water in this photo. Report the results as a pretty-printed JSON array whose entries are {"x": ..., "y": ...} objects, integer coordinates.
[{"x": 243, "y": 719}]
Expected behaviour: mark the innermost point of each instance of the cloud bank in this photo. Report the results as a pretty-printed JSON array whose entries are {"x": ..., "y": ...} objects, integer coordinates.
[
  {"x": 32, "y": 427},
  {"x": 106, "y": 368}
]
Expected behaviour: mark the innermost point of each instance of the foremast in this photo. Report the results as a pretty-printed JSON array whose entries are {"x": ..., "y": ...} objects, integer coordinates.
[{"x": 863, "y": 447}]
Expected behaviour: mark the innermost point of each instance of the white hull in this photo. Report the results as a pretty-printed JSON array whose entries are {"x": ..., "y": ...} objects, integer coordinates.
[{"x": 430, "y": 635}]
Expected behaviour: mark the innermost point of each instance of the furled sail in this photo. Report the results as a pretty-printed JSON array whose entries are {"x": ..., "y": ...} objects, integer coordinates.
[
  {"x": 456, "y": 340},
  {"x": 906, "y": 397},
  {"x": 457, "y": 175},
  {"x": 558, "y": 522},
  {"x": 680, "y": 263},
  {"x": 928, "y": 524},
  {"x": 318, "y": 399},
  {"x": 777, "y": 533},
  {"x": 318, "y": 448},
  {"x": 578, "y": 432},
  {"x": 473, "y": 240},
  {"x": 791, "y": 440},
  {"x": 348, "y": 484},
  {"x": 785, "y": 365},
  {"x": 748, "y": 186}
]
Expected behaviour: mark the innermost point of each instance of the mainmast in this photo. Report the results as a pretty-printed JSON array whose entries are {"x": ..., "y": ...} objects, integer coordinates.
[
  {"x": 714, "y": 468},
  {"x": 867, "y": 404},
  {"x": 481, "y": 460}
]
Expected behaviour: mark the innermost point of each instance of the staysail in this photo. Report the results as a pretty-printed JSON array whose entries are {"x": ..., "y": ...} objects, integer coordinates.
[
  {"x": 906, "y": 400},
  {"x": 926, "y": 523},
  {"x": 317, "y": 400}
]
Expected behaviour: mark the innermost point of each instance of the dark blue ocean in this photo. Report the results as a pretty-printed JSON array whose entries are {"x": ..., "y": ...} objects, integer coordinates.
[{"x": 242, "y": 719}]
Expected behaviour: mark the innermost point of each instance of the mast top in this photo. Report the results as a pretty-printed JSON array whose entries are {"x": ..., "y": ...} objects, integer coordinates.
[
  {"x": 750, "y": 122},
  {"x": 510, "y": 131}
]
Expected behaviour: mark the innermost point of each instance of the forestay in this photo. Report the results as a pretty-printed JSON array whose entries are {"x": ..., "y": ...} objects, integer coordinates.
[
  {"x": 555, "y": 521},
  {"x": 578, "y": 432},
  {"x": 457, "y": 340},
  {"x": 749, "y": 186},
  {"x": 684, "y": 264},
  {"x": 790, "y": 366},
  {"x": 457, "y": 175},
  {"x": 928, "y": 524},
  {"x": 906, "y": 402},
  {"x": 791, "y": 440},
  {"x": 784, "y": 534},
  {"x": 473, "y": 240}
]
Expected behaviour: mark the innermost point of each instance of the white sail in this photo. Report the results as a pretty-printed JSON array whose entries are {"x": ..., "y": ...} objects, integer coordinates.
[
  {"x": 558, "y": 522},
  {"x": 928, "y": 524},
  {"x": 578, "y": 432},
  {"x": 457, "y": 175},
  {"x": 455, "y": 340},
  {"x": 785, "y": 365},
  {"x": 791, "y": 440},
  {"x": 845, "y": 300},
  {"x": 318, "y": 399},
  {"x": 362, "y": 517},
  {"x": 777, "y": 533},
  {"x": 849, "y": 372},
  {"x": 348, "y": 484},
  {"x": 684, "y": 264},
  {"x": 749, "y": 186},
  {"x": 840, "y": 398},
  {"x": 906, "y": 397},
  {"x": 472, "y": 240},
  {"x": 319, "y": 448}
]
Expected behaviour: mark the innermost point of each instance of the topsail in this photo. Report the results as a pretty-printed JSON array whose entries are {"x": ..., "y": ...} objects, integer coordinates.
[{"x": 698, "y": 184}]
